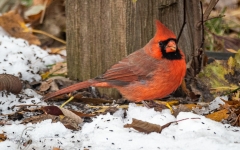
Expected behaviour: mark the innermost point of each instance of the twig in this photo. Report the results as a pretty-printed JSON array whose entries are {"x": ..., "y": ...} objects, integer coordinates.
[
  {"x": 202, "y": 21},
  {"x": 70, "y": 99},
  {"x": 30, "y": 128},
  {"x": 210, "y": 7},
  {"x": 49, "y": 35},
  {"x": 24, "y": 105},
  {"x": 201, "y": 50},
  {"x": 184, "y": 20},
  {"x": 185, "y": 119},
  {"x": 219, "y": 16},
  {"x": 43, "y": 12}
]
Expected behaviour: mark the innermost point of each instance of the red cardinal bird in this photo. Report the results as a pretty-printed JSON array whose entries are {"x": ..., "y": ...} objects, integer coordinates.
[{"x": 151, "y": 72}]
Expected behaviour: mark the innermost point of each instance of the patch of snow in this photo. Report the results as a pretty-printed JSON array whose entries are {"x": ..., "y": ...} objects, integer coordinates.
[{"x": 21, "y": 59}]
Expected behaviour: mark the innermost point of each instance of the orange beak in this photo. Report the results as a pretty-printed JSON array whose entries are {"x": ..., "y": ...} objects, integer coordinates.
[{"x": 171, "y": 46}]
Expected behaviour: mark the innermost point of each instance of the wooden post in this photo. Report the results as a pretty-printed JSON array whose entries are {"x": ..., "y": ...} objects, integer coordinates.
[{"x": 102, "y": 32}]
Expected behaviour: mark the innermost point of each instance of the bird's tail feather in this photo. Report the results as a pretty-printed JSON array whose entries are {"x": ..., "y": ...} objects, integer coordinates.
[{"x": 69, "y": 89}]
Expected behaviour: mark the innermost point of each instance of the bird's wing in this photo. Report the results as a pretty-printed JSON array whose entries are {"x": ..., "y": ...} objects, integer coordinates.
[{"x": 137, "y": 66}]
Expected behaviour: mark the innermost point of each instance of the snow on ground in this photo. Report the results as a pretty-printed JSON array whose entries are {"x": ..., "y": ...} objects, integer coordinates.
[
  {"x": 106, "y": 132},
  {"x": 18, "y": 57}
]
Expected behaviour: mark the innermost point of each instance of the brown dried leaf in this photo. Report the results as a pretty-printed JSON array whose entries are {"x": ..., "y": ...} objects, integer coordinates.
[
  {"x": 228, "y": 104},
  {"x": 33, "y": 13},
  {"x": 44, "y": 86},
  {"x": 59, "y": 82},
  {"x": 40, "y": 118},
  {"x": 111, "y": 110},
  {"x": 57, "y": 50},
  {"x": 234, "y": 117},
  {"x": 10, "y": 83},
  {"x": 12, "y": 23},
  {"x": 70, "y": 123},
  {"x": 52, "y": 110},
  {"x": 71, "y": 115},
  {"x": 218, "y": 115},
  {"x": 59, "y": 69},
  {"x": 80, "y": 114},
  {"x": 2, "y": 137},
  {"x": 66, "y": 121},
  {"x": 181, "y": 108},
  {"x": 145, "y": 127},
  {"x": 57, "y": 111}
]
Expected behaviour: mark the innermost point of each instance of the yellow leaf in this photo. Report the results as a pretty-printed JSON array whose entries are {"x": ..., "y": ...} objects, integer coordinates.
[
  {"x": 14, "y": 25},
  {"x": 45, "y": 75},
  {"x": 219, "y": 115}
]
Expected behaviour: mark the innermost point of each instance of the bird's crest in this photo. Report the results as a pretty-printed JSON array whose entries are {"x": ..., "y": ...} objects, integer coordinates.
[{"x": 162, "y": 32}]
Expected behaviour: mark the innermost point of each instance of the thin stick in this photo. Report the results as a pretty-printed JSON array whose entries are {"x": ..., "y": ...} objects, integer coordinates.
[
  {"x": 184, "y": 20},
  {"x": 70, "y": 99},
  {"x": 43, "y": 12},
  {"x": 209, "y": 9},
  {"x": 49, "y": 35},
  {"x": 24, "y": 105}
]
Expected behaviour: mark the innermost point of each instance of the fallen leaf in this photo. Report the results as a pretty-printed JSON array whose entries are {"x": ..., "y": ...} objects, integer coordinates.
[
  {"x": 59, "y": 82},
  {"x": 70, "y": 123},
  {"x": 59, "y": 68},
  {"x": 234, "y": 117},
  {"x": 40, "y": 118},
  {"x": 181, "y": 108},
  {"x": 71, "y": 115},
  {"x": 44, "y": 86},
  {"x": 33, "y": 13},
  {"x": 45, "y": 75},
  {"x": 111, "y": 110},
  {"x": 66, "y": 121},
  {"x": 2, "y": 137},
  {"x": 80, "y": 114},
  {"x": 218, "y": 78},
  {"x": 228, "y": 104},
  {"x": 55, "y": 110},
  {"x": 52, "y": 110},
  {"x": 57, "y": 50},
  {"x": 218, "y": 115},
  {"x": 14, "y": 25},
  {"x": 231, "y": 50},
  {"x": 146, "y": 127}
]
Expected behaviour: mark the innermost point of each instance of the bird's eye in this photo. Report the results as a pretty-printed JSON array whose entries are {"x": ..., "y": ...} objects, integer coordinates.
[{"x": 161, "y": 44}]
